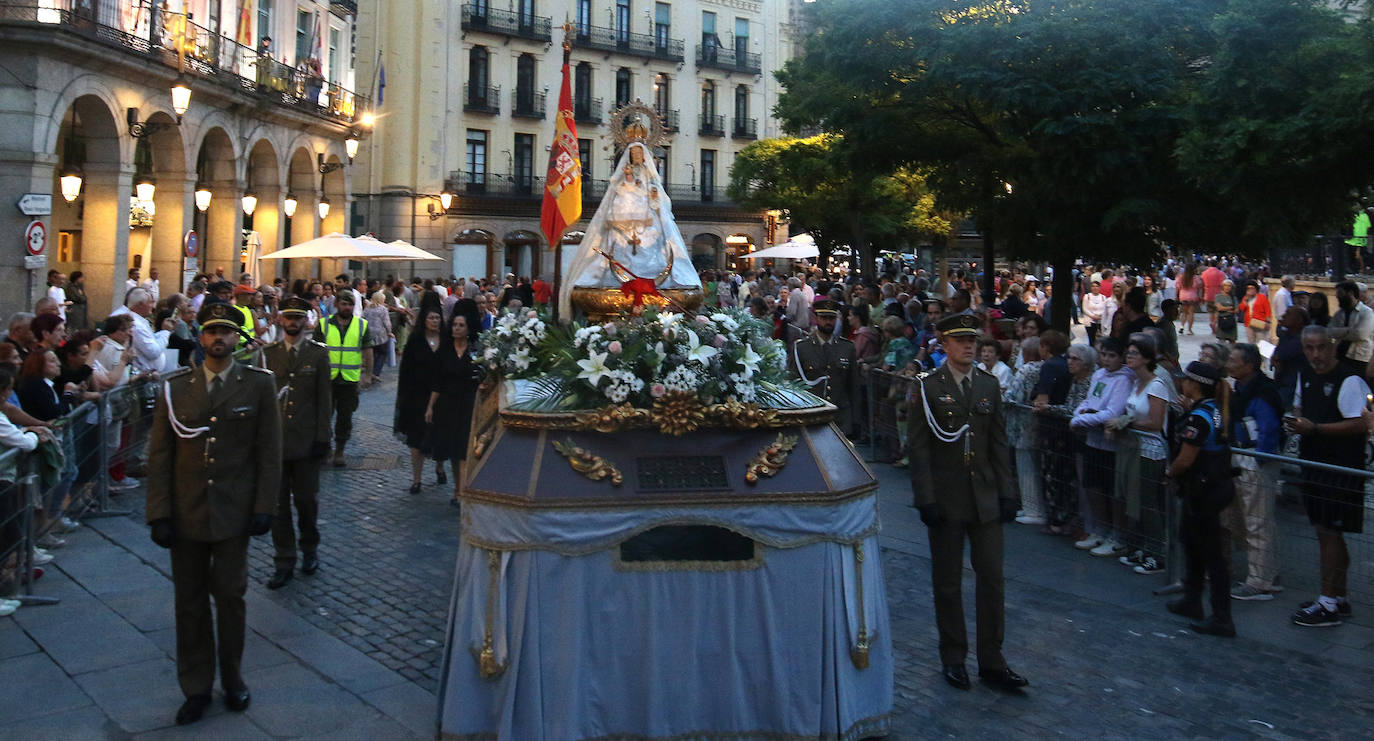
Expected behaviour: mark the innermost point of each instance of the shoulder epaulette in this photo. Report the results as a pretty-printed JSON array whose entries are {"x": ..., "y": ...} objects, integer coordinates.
[
  {"x": 176, "y": 374},
  {"x": 984, "y": 371},
  {"x": 256, "y": 369}
]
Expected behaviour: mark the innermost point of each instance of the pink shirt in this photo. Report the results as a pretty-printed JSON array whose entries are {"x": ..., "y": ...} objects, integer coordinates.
[{"x": 1211, "y": 283}]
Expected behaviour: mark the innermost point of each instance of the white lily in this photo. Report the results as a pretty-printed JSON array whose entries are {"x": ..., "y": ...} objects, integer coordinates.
[
  {"x": 697, "y": 351},
  {"x": 521, "y": 359},
  {"x": 750, "y": 361},
  {"x": 726, "y": 321},
  {"x": 659, "y": 355},
  {"x": 593, "y": 368}
]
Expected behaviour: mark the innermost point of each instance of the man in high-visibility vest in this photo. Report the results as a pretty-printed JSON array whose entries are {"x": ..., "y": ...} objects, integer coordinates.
[{"x": 350, "y": 366}]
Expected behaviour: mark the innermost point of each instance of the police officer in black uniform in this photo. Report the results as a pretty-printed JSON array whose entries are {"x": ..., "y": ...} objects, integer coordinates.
[
  {"x": 301, "y": 367},
  {"x": 1202, "y": 469}
]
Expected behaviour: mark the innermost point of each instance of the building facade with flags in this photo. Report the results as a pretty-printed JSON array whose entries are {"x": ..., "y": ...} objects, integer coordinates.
[
  {"x": 471, "y": 101},
  {"x": 124, "y": 166}
]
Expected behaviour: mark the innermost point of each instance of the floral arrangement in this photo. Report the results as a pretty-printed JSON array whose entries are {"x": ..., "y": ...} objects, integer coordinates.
[{"x": 653, "y": 360}]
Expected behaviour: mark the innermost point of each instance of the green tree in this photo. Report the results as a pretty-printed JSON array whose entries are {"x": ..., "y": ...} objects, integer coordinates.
[
  {"x": 835, "y": 202},
  {"x": 1053, "y": 124}
]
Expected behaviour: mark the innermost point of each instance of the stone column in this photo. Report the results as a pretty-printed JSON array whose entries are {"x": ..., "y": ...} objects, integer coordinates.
[
  {"x": 176, "y": 209},
  {"x": 224, "y": 231},
  {"x": 267, "y": 223},
  {"x": 105, "y": 234}
]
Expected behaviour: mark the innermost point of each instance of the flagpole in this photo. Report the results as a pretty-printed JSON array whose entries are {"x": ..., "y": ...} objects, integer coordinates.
[{"x": 558, "y": 243}]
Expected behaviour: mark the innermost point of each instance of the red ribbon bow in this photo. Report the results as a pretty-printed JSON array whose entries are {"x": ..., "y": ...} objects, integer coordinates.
[{"x": 639, "y": 288}]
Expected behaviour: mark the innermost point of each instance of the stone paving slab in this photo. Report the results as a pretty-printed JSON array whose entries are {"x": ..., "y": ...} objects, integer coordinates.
[
  {"x": 88, "y": 638},
  {"x": 14, "y": 642},
  {"x": 139, "y": 697},
  {"x": 34, "y": 686},
  {"x": 290, "y": 696},
  {"x": 82, "y": 724},
  {"x": 415, "y": 707}
]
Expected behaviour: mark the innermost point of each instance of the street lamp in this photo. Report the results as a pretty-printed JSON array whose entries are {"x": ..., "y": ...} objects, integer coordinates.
[
  {"x": 351, "y": 146},
  {"x": 70, "y": 178},
  {"x": 323, "y": 207},
  {"x": 249, "y": 202},
  {"x": 289, "y": 205},
  {"x": 181, "y": 97},
  {"x": 203, "y": 197},
  {"x": 144, "y": 189},
  {"x": 445, "y": 199},
  {"x": 368, "y": 119}
]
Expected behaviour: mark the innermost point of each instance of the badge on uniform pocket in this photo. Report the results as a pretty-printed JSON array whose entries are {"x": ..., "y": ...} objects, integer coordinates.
[
  {"x": 984, "y": 406},
  {"x": 240, "y": 411}
]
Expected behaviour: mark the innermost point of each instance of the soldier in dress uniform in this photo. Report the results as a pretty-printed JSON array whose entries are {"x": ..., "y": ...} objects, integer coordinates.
[
  {"x": 961, "y": 482},
  {"x": 301, "y": 367},
  {"x": 213, "y": 471},
  {"x": 824, "y": 361}
]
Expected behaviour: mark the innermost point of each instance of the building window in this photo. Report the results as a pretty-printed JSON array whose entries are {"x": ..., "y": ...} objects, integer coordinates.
[
  {"x": 334, "y": 56},
  {"x": 663, "y": 22},
  {"x": 476, "y": 168},
  {"x": 661, "y": 162},
  {"x": 584, "y": 19},
  {"x": 741, "y": 39},
  {"x": 741, "y": 104},
  {"x": 582, "y": 91},
  {"x": 709, "y": 41},
  {"x": 584, "y": 151},
  {"x": 524, "y": 160},
  {"x": 479, "y": 9},
  {"x": 264, "y": 19},
  {"x": 622, "y": 21},
  {"x": 661, "y": 98},
  {"x": 525, "y": 15},
  {"x": 708, "y": 174},
  {"x": 477, "y": 74},
  {"x": 708, "y": 98},
  {"x": 303, "y": 36},
  {"x": 623, "y": 90},
  {"x": 524, "y": 83}
]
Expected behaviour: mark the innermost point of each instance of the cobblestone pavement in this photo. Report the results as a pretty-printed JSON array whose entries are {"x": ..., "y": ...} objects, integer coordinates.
[{"x": 1105, "y": 660}]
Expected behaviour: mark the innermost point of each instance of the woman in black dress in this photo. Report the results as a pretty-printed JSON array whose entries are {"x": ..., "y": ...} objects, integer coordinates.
[
  {"x": 451, "y": 399},
  {"x": 419, "y": 362}
]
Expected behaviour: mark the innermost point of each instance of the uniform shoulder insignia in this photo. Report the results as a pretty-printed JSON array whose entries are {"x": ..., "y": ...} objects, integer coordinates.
[
  {"x": 179, "y": 373},
  {"x": 844, "y": 340},
  {"x": 923, "y": 375},
  {"x": 984, "y": 371},
  {"x": 318, "y": 344},
  {"x": 256, "y": 369}
]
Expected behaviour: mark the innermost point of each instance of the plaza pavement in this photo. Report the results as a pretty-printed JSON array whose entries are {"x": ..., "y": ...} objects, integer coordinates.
[{"x": 354, "y": 651}]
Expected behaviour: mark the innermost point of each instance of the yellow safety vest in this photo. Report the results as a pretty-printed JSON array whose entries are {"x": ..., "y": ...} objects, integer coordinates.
[{"x": 345, "y": 353}]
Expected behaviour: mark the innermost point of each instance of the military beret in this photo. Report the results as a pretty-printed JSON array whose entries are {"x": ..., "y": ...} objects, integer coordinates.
[
  {"x": 295, "y": 306},
  {"x": 218, "y": 313},
  {"x": 958, "y": 325},
  {"x": 826, "y": 307}
]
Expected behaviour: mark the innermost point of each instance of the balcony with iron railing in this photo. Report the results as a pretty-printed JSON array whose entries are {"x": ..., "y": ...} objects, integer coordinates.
[
  {"x": 734, "y": 60},
  {"x": 344, "y": 7},
  {"x": 710, "y": 125},
  {"x": 481, "y": 99},
  {"x": 484, "y": 19},
  {"x": 745, "y": 128},
  {"x": 671, "y": 118},
  {"x": 588, "y": 110},
  {"x": 154, "y": 38},
  {"x": 528, "y": 104},
  {"x": 531, "y": 188},
  {"x": 492, "y": 185},
  {"x": 624, "y": 42}
]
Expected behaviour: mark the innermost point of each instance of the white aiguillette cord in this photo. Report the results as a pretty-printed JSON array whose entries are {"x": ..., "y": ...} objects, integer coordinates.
[
  {"x": 182, "y": 431},
  {"x": 941, "y": 434}
]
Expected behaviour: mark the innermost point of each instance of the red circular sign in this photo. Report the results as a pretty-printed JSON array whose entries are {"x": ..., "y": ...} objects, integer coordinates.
[
  {"x": 191, "y": 243},
  {"x": 35, "y": 237}
]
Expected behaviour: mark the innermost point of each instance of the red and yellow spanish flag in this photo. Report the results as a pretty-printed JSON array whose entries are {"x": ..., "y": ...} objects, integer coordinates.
[{"x": 563, "y": 185}]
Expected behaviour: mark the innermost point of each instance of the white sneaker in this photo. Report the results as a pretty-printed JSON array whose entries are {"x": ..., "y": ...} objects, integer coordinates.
[
  {"x": 8, "y": 606},
  {"x": 66, "y": 526},
  {"x": 1031, "y": 520},
  {"x": 1092, "y": 541},
  {"x": 41, "y": 557},
  {"x": 127, "y": 484},
  {"x": 1108, "y": 548}
]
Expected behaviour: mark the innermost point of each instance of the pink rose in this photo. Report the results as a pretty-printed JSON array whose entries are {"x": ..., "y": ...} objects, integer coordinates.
[
  {"x": 702, "y": 320},
  {"x": 658, "y": 390},
  {"x": 719, "y": 340},
  {"x": 614, "y": 348},
  {"x": 531, "y": 314}
]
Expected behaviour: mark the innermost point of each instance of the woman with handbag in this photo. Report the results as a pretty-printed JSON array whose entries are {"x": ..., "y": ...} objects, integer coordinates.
[
  {"x": 1257, "y": 314},
  {"x": 1224, "y": 313}
]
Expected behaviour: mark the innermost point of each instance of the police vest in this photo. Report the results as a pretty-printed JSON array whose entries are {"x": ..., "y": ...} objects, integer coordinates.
[{"x": 346, "y": 352}]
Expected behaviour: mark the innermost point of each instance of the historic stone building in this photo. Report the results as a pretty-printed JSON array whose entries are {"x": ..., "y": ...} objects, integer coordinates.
[
  {"x": 466, "y": 115},
  {"x": 97, "y": 116}
]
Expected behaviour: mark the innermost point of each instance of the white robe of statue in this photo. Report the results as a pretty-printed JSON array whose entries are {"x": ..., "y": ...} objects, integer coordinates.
[{"x": 634, "y": 225}]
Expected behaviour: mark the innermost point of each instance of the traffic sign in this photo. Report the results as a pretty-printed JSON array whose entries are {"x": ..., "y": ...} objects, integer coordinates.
[
  {"x": 35, "y": 237},
  {"x": 191, "y": 243},
  {"x": 35, "y": 204}
]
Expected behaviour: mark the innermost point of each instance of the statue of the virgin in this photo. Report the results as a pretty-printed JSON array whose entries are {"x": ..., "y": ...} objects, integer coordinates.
[{"x": 632, "y": 253}]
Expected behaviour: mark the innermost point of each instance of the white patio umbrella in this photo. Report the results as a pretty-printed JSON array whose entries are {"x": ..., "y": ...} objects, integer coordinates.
[
  {"x": 413, "y": 252},
  {"x": 333, "y": 247},
  {"x": 792, "y": 250}
]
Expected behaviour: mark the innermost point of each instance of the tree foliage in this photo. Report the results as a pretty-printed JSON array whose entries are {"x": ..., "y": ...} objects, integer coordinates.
[
  {"x": 1098, "y": 128},
  {"x": 835, "y": 202}
]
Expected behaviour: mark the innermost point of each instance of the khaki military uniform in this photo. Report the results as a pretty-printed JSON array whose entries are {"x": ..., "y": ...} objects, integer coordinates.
[
  {"x": 967, "y": 477},
  {"x": 214, "y": 463},
  {"x": 830, "y": 371},
  {"x": 305, "y": 399}
]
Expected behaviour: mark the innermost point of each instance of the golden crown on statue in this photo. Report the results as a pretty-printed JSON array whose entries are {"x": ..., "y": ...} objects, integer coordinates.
[{"x": 637, "y": 122}]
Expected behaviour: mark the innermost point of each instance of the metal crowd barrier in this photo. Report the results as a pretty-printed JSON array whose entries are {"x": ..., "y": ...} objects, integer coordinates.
[{"x": 1124, "y": 493}]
